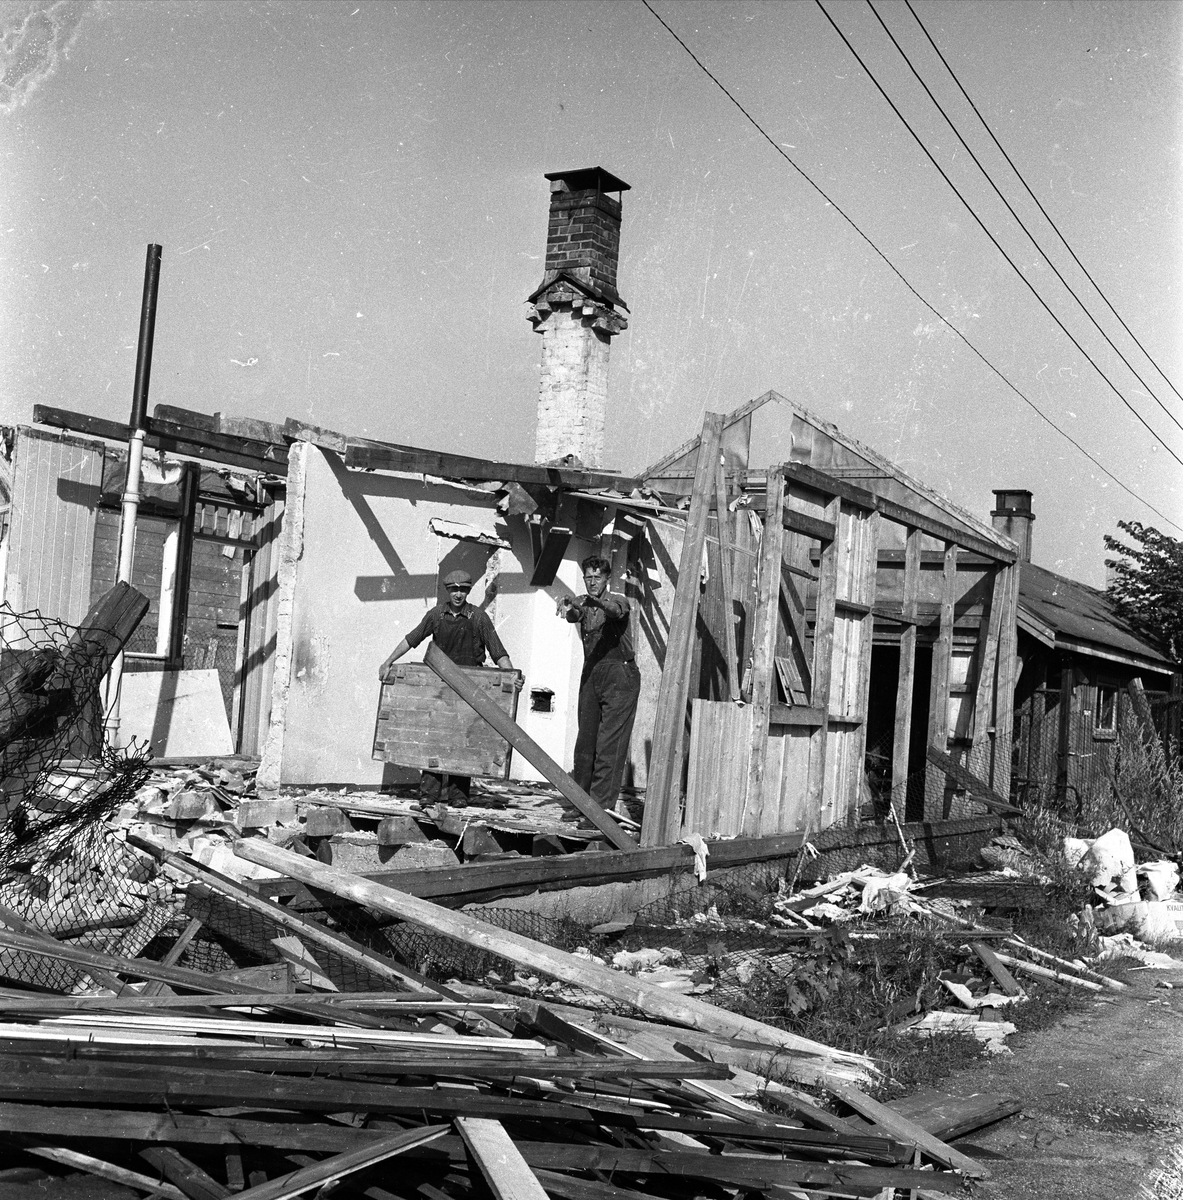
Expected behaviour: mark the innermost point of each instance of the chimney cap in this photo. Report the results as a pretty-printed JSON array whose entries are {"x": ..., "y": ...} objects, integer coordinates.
[
  {"x": 1013, "y": 500},
  {"x": 585, "y": 179}
]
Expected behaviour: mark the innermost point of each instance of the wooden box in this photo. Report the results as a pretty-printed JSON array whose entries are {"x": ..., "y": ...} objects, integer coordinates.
[{"x": 423, "y": 723}]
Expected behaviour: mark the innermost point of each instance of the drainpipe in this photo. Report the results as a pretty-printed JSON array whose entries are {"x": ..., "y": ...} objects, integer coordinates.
[{"x": 135, "y": 457}]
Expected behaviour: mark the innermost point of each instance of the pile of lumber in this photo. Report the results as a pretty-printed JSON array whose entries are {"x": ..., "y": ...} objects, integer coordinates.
[{"x": 187, "y": 1084}]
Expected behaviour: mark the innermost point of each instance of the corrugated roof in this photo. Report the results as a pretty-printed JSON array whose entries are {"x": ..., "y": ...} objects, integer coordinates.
[{"x": 1080, "y": 612}]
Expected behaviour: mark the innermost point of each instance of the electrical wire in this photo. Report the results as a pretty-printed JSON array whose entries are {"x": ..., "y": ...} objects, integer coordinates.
[
  {"x": 969, "y": 208},
  {"x": 899, "y": 274},
  {"x": 1019, "y": 220},
  {"x": 1047, "y": 216}
]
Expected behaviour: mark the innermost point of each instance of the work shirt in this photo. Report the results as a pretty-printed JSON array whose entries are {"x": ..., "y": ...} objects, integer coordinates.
[
  {"x": 604, "y": 630},
  {"x": 463, "y": 636}
]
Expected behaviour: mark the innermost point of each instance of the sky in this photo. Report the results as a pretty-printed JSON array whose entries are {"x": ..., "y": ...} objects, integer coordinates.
[{"x": 351, "y": 201}]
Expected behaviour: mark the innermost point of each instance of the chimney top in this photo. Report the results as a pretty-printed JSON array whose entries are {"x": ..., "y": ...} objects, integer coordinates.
[
  {"x": 587, "y": 179},
  {"x": 1011, "y": 500},
  {"x": 1013, "y": 516}
]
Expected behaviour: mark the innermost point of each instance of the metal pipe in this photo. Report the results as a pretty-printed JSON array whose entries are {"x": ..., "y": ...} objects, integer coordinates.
[{"x": 135, "y": 458}]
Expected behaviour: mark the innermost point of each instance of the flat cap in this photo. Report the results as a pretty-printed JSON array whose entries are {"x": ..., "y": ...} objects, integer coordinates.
[{"x": 458, "y": 579}]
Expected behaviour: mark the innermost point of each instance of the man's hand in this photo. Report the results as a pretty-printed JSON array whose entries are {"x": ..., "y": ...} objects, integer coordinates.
[{"x": 564, "y": 606}]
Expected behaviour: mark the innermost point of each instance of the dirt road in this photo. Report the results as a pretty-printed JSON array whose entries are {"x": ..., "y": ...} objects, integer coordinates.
[{"x": 1102, "y": 1095}]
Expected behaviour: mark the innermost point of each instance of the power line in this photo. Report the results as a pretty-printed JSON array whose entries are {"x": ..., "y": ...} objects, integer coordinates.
[
  {"x": 1019, "y": 220},
  {"x": 994, "y": 241},
  {"x": 898, "y": 274},
  {"x": 1035, "y": 198}
]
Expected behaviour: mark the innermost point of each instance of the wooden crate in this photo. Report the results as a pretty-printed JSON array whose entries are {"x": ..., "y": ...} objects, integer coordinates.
[{"x": 423, "y": 723}]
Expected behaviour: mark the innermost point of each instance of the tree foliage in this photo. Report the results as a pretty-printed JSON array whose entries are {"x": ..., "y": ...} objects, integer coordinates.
[{"x": 1147, "y": 583}]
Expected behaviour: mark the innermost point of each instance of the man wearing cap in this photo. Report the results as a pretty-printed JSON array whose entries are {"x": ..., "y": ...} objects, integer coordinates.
[
  {"x": 465, "y": 634},
  {"x": 609, "y": 686}
]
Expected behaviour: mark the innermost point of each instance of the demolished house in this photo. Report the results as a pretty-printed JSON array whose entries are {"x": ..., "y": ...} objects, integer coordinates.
[
  {"x": 852, "y": 655},
  {"x": 268, "y": 960}
]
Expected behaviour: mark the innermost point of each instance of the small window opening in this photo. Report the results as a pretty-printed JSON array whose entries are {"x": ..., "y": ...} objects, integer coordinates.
[
  {"x": 1105, "y": 717},
  {"x": 542, "y": 700}
]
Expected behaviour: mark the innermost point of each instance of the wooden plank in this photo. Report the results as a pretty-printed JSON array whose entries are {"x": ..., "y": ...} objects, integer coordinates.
[
  {"x": 865, "y": 574},
  {"x": 550, "y": 556},
  {"x": 989, "y": 635},
  {"x": 796, "y": 714},
  {"x": 525, "y": 745},
  {"x": 337, "y": 943},
  {"x": 723, "y": 522},
  {"x": 656, "y": 1001},
  {"x": 1007, "y": 672},
  {"x": 104, "y": 1170},
  {"x": 823, "y": 659},
  {"x": 505, "y": 1170},
  {"x": 765, "y": 625},
  {"x": 164, "y": 425},
  {"x": 798, "y": 633},
  {"x": 663, "y": 817},
  {"x": 900, "y": 1128},
  {"x": 384, "y": 456},
  {"x": 950, "y": 1117},
  {"x": 827, "y": 485},
  {"x": 341, "y": 1165},
  {"x": 938, "y": 692},
  {"x": 906, "y": 681},
  {"x": 183, "y": 1174},
  {"x": 1002, "y": 976},
  {"x": 942, "y": 764},
  {"x": 718, "y": 768},
  {"x": 116, "y": 431}
]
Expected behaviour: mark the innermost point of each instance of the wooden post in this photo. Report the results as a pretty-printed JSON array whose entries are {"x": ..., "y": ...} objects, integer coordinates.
[
  {"x": 989, "y": 635},
  {"x": 907, "y": 675},
  {"x": 1064, "y": 733},
  {"x": 526, "y": 746},
  {"x": 865, "y": 577},
  {"x": 723, "y": 518},
  {"x": 663, "y": 799},
  {"x": 823, "y": 657},
  {"x": 1008, "y": 679},
  {"x": 938, "y": 692},
  {"x": 764, "y": 630}
]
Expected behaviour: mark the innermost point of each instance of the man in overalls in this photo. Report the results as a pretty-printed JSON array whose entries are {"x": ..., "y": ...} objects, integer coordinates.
[
  {"x": 609, "y": 686},
  {"x": 465, "y": 634}
]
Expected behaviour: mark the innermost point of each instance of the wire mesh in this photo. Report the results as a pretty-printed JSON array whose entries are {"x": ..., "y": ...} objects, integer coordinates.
[{"x": 62, "y": 869}]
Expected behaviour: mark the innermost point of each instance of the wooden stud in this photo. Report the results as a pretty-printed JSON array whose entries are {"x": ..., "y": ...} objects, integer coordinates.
[
  {"x": 723, "y": 518},
  {"x": 183, "y": 1174},
  {"x": 505, "y": 1170},
  {"x": 899, "y": 1127},
  {"x": 823, "y": 659},
  {"x": 1007, "y": 681},
  {"x": 867, "y": 574},
  {"x": 663, "y": 818},
  {"x": 906, "y": 681},
  {"x": 938, "y": 692},
  {"x": 989, "y": 636},
  {"x": 765, "y": 625}
]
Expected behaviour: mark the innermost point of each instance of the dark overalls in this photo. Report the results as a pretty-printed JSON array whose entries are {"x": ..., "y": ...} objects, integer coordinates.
[{"x": 608, "y": 691}]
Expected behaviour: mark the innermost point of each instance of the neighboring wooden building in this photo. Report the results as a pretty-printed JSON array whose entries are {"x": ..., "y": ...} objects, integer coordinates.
[
  {"x": 872, "y": 619},
  {"x": 1077, "y": 662}
]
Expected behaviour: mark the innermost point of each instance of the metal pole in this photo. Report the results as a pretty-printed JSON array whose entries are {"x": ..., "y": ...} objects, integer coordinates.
[{"x": 135, "y": 457}]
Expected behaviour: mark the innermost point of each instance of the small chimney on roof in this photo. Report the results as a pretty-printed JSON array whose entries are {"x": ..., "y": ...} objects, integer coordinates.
[
  {"x": 1012, "y": 515},
  {"x": 577, "y": 309}
]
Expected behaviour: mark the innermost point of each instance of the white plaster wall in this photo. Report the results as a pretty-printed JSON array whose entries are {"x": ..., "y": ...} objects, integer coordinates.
[{"x": 367, "y": 572}]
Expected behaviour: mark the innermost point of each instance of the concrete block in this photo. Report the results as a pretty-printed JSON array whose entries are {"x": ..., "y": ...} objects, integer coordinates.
[
  {"x": 351, "y": 853},
  {"x": 254, "y": 814},
  {"x": 189, "y": 805},
  {"x": 399, "y": 831},
  {"x": 421, "y": 854},
  {"x": 324, "y": 821}
]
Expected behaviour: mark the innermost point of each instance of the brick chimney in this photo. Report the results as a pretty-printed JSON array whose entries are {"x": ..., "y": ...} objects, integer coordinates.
[
  {"x": 577, "y": 310},
  {"x": 1012, "y": 515}
]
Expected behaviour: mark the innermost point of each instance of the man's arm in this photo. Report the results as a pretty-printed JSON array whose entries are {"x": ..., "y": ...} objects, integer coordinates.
[
  {"x": 493, "y": 646},
  {"x": 393, "y": 657},
  {"x": 426, "y": 626}
]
